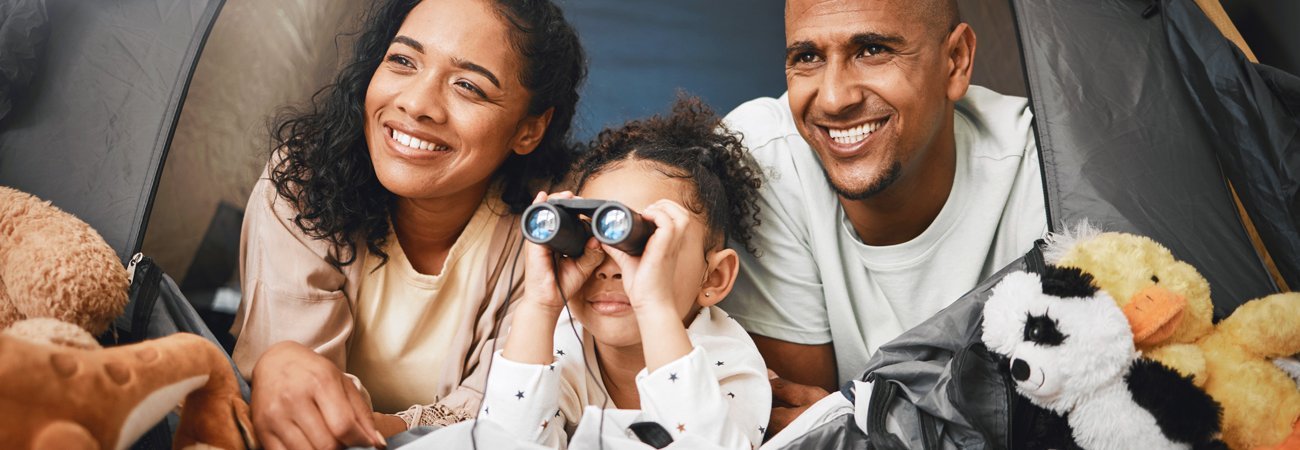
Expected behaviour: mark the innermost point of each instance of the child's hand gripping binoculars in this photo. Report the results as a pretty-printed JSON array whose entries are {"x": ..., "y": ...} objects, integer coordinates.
[{"x": 558, "y": 224}]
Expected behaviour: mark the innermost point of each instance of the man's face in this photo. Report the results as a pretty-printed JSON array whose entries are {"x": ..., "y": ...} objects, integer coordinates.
[{"x": 869, "y": 87}]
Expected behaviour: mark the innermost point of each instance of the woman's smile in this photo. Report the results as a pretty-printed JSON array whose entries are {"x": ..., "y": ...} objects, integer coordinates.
[{"x": 413, "y": 145}]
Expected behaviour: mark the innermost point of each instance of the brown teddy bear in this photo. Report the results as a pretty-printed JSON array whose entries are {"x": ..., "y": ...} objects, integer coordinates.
[
  {"x": 1168, "y": 305},
  {"x": 54, "y": 265},
  {"x": 59, "y": 284}
]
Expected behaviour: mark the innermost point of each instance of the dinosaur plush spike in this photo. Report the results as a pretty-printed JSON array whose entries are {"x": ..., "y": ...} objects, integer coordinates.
[
  {"x": 68, "y": 398},
  {"x": 60, "y": 284}
]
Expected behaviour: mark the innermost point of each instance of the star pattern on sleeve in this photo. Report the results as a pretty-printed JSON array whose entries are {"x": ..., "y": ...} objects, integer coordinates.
[
  {"x": 719, "y": 363},
  {"x": 681, "y": 428},
  {"x": 762, "y": 430},
  {"x": 672, "y": 377},
  {"x": 559, "y": 352},
  {"x": 731, "y": 395},
  {"x": 545, "y": 423},
  {"x": 520, "y": 395}
]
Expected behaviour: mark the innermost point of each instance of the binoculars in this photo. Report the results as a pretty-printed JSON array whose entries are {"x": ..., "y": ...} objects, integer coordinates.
[{"x": 558, "y": 224}]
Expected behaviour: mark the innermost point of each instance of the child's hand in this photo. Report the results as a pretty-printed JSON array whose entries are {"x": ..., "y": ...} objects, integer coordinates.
[
  {"x": 648, "y": 279},
  {"x": 539, "y": 275}
]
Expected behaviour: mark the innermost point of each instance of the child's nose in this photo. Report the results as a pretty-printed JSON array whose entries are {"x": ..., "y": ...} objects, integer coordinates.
[{"x": 609, "y": 271}]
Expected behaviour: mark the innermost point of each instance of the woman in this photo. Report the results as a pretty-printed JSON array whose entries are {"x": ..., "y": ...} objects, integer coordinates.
[{"x": 379, "y": 247}]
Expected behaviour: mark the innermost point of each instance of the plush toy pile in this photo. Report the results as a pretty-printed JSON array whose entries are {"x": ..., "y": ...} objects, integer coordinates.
[
  {"x": 1070, "y": 350},
  {"x": 1169, "y": 307},
  {"x": 59, "y": 283}
]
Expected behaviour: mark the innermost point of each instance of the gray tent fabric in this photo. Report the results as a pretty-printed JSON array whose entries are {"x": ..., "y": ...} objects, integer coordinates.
[
  {"x": 1120, "y": 141},
  {"x": 1255, "y": 122},
  {"x": 91, "y": 132},
  {"x": 940, "y": 373},
  {"x": 23, "y": 31}
]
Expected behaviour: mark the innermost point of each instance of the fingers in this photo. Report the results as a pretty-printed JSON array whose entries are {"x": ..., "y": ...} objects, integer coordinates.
[
  {"x": 796, "y": 394},
  {"x": 300, "y": 401},
  {"x": 311, "y": 425},
  {"x": 294, "y": 439},
  {"x": 345, "y": 415},
  {"x": 627, "y": 263},
  {"x": 590, "y": 259},
  {"x": 781, "y": 418},
  {"x": 270, "y": 442},
  {"x": 671, "y": 220}
]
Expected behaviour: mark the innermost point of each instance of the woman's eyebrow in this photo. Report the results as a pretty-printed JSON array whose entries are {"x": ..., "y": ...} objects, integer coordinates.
[
  {"x": 465, "y": 64},
  {"x": 409, "y": 43},
  {"x": 460, "y": 63}
]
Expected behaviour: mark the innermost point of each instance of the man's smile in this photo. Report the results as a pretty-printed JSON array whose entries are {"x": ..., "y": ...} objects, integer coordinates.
[
  {"x": 849, "y": 141},
  {"x": 853, "y": 135}
]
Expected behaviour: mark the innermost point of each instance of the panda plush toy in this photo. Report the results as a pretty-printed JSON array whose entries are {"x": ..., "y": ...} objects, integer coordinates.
[{"x": 1070, "y": 350}]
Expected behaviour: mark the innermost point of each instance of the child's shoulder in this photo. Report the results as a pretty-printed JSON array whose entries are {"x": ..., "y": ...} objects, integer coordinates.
[{"x": 724, "y": 340}]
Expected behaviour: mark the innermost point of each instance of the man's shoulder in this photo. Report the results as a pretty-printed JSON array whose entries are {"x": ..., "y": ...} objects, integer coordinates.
[
  {"x": 761, "y": 121},
  {"x": 1002, "y": 124}
]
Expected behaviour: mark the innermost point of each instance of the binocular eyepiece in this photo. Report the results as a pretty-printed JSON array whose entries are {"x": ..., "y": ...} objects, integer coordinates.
[{"x": 557, "y": 224}]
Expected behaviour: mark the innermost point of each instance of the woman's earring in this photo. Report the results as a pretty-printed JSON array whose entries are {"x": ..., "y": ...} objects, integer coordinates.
[{"x": 708, "y": 294}]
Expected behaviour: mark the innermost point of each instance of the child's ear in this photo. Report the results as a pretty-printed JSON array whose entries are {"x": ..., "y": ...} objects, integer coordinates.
[{"x": 723, "y": 265}]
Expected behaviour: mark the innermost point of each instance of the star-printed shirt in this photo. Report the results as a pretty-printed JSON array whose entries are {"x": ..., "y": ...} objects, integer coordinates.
[{"x": 717, "y": 393}]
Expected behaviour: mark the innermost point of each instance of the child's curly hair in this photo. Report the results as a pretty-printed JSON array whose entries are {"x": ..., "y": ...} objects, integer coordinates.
[{"x": 692, "y": 144}]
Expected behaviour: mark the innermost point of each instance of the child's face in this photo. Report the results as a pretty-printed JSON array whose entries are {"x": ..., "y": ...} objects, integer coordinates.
[{"x": 602, "y": 306}]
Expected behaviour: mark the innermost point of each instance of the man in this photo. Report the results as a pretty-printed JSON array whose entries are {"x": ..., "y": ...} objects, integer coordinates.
[{"x": 893, "y": 187}]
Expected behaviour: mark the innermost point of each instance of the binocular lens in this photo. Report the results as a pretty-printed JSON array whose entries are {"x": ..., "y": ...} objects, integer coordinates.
[
  {"x": 542, "y": 224},
  {"x": 558, "y": 224},
  {"x": 613, "y": 224}
]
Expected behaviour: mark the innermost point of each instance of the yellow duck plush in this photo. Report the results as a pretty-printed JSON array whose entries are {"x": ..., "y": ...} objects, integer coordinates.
[{"x": 1168, "y": 306}]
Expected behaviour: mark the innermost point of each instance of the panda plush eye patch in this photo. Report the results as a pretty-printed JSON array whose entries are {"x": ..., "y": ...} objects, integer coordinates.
[{"x": 1042, "y": 330}]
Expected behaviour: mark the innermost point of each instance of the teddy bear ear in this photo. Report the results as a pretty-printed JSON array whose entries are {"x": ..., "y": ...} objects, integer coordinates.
[{"x": 1068, "y": 282}]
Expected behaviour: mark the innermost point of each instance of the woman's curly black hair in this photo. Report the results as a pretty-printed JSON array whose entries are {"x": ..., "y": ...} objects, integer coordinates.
[
  {"x": 691, "y": 144},
  {"x": 324, "y": 167}
]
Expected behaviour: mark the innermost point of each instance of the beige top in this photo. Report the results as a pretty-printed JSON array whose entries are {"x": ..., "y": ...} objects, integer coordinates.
[
  {"x": 404, "y": 318},
  {"x": 292, "y": 293}
]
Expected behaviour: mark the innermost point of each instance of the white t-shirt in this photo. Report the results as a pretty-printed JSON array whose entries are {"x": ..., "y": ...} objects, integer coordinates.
[
  {"x": 718, "y": 393},
  {"x": 815, "y": 282}
]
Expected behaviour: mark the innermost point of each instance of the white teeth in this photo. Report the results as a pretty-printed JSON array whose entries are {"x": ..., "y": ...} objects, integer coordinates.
[
  {"x": 855, "y": 134},
  {"x": 416, "y": 143}
]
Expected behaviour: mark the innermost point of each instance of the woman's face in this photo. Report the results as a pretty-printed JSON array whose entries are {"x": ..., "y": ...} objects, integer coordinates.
[{"x": 446, "y": 106}]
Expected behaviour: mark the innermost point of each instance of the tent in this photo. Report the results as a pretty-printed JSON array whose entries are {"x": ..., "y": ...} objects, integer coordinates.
[
  {"x": 92, "y": 130},
  {"x": 1130, "y": 138}
]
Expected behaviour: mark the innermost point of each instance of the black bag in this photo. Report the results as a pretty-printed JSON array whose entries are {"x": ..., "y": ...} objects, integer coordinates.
[
  {"x": 938, "y": 385},
  {"x": 157, "y": 308}
]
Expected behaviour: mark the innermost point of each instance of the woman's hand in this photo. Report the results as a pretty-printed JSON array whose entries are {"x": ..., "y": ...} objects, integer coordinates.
[
  {"x": 303, "y": 401},
  {"x": 539, "y": 275}
]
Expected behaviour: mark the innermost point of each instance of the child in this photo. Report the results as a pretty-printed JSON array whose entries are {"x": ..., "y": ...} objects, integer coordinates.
[{"x": 650, "y": 335}]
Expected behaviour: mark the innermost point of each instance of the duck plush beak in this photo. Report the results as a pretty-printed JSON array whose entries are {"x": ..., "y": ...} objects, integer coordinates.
[{"x": 1153, "y": 314}]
